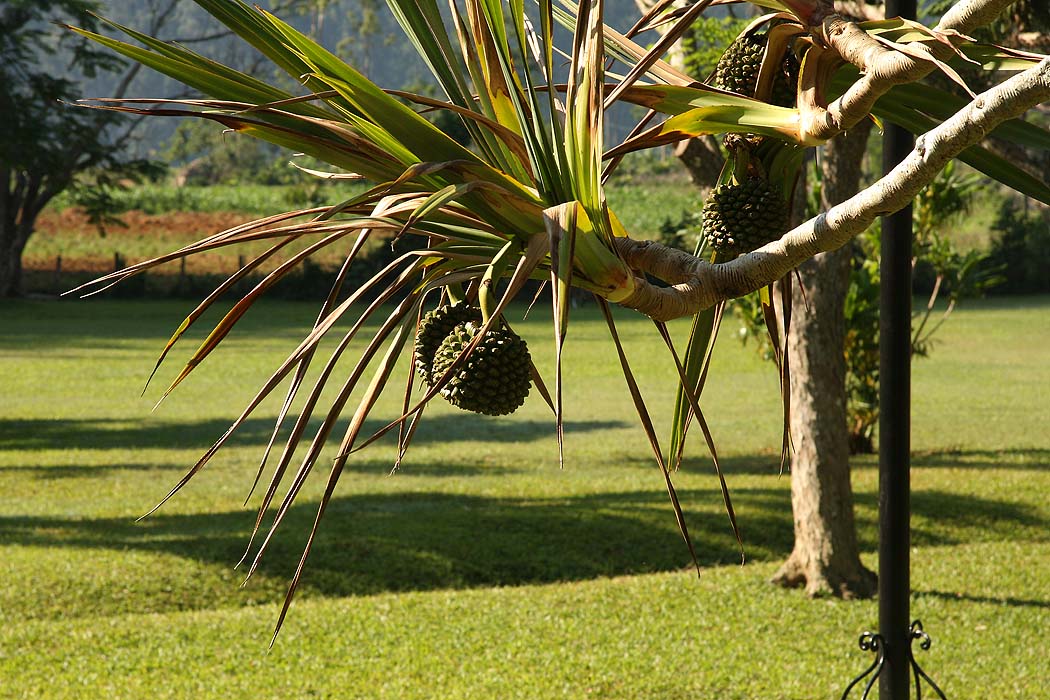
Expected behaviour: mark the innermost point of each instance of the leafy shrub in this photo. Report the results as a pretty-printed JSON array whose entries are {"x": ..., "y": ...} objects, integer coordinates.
[
  {"x": 683, "y": 233},
  {"x": 1021, "y": 250},
  {"x": 941, "y": 271}
]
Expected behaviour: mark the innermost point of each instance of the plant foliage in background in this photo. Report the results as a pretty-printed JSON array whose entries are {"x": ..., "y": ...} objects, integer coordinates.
[
  {"x": 952, "y": 276},
  {"x": 1022, "y": 247},
  {"x": 525, "y": 202}
]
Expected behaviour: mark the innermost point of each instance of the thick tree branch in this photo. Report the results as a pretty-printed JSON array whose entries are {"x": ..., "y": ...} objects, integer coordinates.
[
  {"x": 967, "y": 15},
  {"x": 882, "y": 66},
  {"x": 699, "y": 284}
]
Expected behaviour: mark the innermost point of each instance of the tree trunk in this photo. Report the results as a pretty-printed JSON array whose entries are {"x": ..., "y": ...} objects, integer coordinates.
[
  {"x": 22, "y": 197},
  {"x": 17, "y": 221},
  {"x": 10, "y": 274},
  {"x": 703, "y": 159},
  {"x": 12, "y": 244},
  {"x": 826, "y": 558}
]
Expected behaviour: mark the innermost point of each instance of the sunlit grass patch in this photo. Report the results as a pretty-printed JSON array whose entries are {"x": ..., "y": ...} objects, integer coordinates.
[{"x": 481, "y": 569}]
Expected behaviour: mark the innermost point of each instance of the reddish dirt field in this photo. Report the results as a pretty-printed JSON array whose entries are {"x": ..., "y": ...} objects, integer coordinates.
[
  {"x": 86, "y": 254},
  {"x": 84, "y": 250},
  {"x": 190, "y": 224}
]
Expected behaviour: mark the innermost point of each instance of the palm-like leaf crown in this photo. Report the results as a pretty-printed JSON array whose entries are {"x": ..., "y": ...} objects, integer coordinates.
[{"x": 526, "y": 203}]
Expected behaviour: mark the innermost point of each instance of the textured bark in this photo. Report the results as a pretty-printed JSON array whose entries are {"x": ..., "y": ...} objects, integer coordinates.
[
  {"x": 22, "y": 197},
  {"x": 14, "y": 231},
  {"x": 881, "y": 66},
  {"x": 826, "y": 558},
  {"x": 703, "y": 159},
  {"x": 10, "y": 269}
]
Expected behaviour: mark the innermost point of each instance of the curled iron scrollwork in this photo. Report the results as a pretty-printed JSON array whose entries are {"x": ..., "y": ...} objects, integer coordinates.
[
  {"x": 869, "y": 641},
  {"x": 873, "y": 642},
  {"x": 917, "y": 632}
]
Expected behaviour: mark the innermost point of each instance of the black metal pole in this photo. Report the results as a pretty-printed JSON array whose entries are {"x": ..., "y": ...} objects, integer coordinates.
[{"x": 895, "y": 421}]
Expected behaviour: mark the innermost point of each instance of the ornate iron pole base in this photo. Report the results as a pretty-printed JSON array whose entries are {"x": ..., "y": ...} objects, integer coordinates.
[{"x": 870, "y": 641}]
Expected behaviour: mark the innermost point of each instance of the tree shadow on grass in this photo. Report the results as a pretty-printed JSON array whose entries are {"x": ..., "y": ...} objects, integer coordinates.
[
  {"x": 1008, "y": 601},
  {"x": 377, "y": 467},
  {"x": 1035, "y": 459},
  {"x": 425, "y": 541},
  {"x": 941, "y": 518},
  {"x": 103, "y": 434},
  {"x": 76, "y": 471},
  {"x": 418, "y": 541},
  {"x": 760, "y": 464},
  {"x": 101, "y": 323}
]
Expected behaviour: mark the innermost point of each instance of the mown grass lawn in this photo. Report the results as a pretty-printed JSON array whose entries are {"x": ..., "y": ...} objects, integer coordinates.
[{"x": 481, "y": 569}]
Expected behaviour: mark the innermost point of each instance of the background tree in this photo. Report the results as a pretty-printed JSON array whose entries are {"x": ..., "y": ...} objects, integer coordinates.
[
  {"x": 833, "y": 355},
  {"x": 825, "y": 558},
  {"x": 834, "y": 359},
  {"x": 45, "y": 148}
]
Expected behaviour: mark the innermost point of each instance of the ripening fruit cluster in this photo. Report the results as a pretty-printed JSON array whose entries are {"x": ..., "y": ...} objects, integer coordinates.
[
  {"x": 493, "y": 379},
  {"x": 739, "y": 67},
  {"x": 739, "y": 218}
]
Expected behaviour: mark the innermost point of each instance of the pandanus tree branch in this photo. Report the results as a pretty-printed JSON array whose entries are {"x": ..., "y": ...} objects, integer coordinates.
[
  {"x": 697, "y": 284},
  {"x": 882, "y": 66}
]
